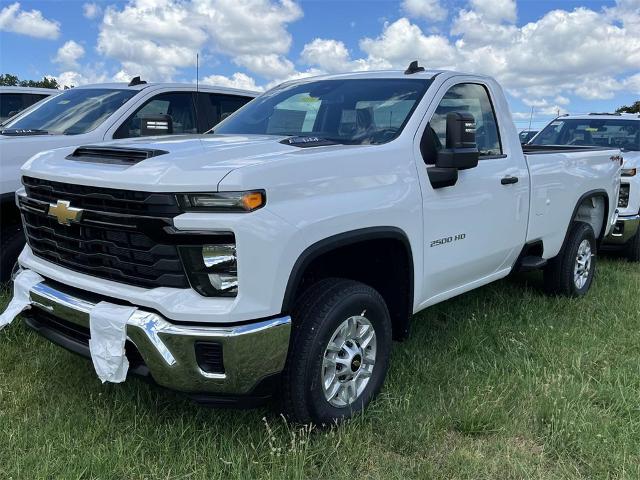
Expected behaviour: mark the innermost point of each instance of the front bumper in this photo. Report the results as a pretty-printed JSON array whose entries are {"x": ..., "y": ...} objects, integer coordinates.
[
  {"x": 251, "y": 352},
  {"x": 623, "y": 230}
]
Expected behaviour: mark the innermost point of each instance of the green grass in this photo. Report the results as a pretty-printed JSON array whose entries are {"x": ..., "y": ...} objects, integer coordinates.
[{"x": 503, "y": 382}]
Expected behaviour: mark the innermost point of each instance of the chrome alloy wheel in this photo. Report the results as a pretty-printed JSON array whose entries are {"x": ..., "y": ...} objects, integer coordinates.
[
  {"x": 348, "y": 361},
  {"x": 582, "y": 268}
]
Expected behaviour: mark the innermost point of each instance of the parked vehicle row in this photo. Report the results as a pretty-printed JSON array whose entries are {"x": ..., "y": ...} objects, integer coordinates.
[
  {"x": 93, "y": 114},
  {"x": 609, "y": 131},
  {"x": 285, "y": 249}
]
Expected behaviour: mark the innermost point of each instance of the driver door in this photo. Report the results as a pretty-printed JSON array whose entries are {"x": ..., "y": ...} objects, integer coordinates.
[{"x": 475, "y": 229}]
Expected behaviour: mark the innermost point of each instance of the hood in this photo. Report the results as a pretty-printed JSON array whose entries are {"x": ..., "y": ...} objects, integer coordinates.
[{"x": 191, "y": 163}]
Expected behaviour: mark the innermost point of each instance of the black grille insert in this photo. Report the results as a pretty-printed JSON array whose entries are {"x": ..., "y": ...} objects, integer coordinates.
[
  {"x": 109, "y": 200},
  {"x": 123, "y": 236}
]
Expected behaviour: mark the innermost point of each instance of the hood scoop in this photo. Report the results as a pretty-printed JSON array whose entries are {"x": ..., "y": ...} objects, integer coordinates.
[{"x": 113, "y": 155}]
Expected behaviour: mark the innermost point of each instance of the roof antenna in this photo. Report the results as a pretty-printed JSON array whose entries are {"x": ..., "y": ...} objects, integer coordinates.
[
  {"x": 197, "y": 90},
  {"x": 413, "y": 68},
  {"x": 136, "y": 81}
]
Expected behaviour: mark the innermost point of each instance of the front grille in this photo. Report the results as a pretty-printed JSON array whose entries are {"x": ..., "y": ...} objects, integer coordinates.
[
  {"x": 103, "y": 199},
  {"x": 106, "y": 243}
]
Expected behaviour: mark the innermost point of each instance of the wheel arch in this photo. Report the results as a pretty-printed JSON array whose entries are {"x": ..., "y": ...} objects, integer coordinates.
[
  {"x": 354, "y": 241},
  {"x": 581, "y": 203}
]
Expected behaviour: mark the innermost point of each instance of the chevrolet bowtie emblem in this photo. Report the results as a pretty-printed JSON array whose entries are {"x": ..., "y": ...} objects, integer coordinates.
[{"x": 64, "y": 212}]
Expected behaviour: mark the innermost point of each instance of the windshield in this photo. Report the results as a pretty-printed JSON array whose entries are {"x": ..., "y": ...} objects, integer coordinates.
[
  {"x": 73, "y": 112},
  {"x": 361, "y": 111},
  {"x": 612, "y": 133}
]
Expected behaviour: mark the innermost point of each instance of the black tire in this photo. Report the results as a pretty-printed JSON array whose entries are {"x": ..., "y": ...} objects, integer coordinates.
[
  {"x": 632, "y": 251},
  {"x": 316, "y": 317},
  {"x": 11, "y": 244},
  {"x": 559, "y": 272}
]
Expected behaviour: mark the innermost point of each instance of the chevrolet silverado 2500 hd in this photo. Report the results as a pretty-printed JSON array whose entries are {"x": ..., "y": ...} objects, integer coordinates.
[
  {"x": 284, "y": 251},
  {"x": 611, "y": 130},
  {"x": 94, "y": 113}
]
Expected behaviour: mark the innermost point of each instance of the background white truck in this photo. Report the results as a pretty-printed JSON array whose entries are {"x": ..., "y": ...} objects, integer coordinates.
[
  {"x": 284, "y": 252},
  {"x": 13, "y": 100},
  {"x": 610, "y": 130},
  {"x": 94, "y": 113}
]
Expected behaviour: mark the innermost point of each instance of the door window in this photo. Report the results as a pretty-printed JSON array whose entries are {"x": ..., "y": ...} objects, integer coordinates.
[
  {"x": 178, "y": 105},
  {"x": 224, "y": 105},
  {"x": 9, "y": 103},
  {"x": 468, "y": 98}
]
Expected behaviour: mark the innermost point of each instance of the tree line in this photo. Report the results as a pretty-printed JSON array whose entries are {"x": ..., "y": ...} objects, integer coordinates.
[{"x": 8, "y": 80}]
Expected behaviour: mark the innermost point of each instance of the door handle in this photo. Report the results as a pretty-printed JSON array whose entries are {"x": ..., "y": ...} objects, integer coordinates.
[{"x": 509, "y": 180}]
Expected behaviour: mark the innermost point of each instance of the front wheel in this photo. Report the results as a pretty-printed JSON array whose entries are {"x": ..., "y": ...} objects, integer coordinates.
[
  {"x": 571, "y": 272},
  {"x": 633, "y": 248},
  {"x": 339, "y": 352}
]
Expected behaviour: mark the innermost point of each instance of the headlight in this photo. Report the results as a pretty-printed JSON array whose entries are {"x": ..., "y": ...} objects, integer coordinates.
[
  {"x": 623, "y": 198},
  {"x": 212, "y": 269},
  {"x": 223, "y": 201},
  {"x": 629, "y": 172}
]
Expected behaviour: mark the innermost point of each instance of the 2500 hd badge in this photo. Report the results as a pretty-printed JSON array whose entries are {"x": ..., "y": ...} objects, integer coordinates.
[{"x": 450, "y": 239}]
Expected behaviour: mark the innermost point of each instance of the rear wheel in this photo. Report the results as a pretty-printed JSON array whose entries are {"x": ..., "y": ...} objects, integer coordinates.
[
  {"x": 571, "y": 272},
  {"x": 339, "y": 352},
  {"x": 11, "y": 243}
]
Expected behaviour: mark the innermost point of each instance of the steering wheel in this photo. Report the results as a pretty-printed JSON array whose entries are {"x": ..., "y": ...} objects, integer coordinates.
[{"x": 384, "y": 134}]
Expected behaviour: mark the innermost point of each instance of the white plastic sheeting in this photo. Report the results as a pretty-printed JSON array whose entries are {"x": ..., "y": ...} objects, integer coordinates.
[
  {"x": 22, "y": 283},
  {"x": 108, "y": 328}
]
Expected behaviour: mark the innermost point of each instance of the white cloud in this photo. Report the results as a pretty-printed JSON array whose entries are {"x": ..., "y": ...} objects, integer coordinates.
[
  {"x": 69, "y": 54},
  {"x": 91, "y": 10},
  {"x": 401, "y": 42},
  {"x": 31, "y": 23},
  {"x": 156, "y": 38},
  {"x": 583, "y": 52},
  {"x": 495, "y": 11},
  {"x": 329, "y": 55},
  {"x": 427, "y": 9},
  {"x": 237, "y": 80}
]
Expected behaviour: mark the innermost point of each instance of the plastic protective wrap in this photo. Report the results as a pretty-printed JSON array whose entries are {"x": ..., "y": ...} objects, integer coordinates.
[
  {"x": 22, "y": 284},
  {"x": 108, "y": 328}
]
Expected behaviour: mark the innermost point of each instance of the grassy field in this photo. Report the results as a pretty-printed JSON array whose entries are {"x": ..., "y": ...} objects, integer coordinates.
[{"x": 501, "y": 383}]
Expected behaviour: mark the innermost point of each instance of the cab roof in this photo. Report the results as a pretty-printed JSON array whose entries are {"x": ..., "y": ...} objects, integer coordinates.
[
  {"x": 44, "y": 91},
  {"x": 601, "y": 116},
  {"x": 155, "y": 85}
]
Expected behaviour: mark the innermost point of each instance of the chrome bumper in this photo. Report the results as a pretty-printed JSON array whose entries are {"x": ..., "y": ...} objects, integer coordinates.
[
  {"x": 251, "y": 352},
  {"x": 623, "y": 230}
]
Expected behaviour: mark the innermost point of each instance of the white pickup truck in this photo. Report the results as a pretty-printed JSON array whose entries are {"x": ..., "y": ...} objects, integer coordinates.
[
  {"x": 610, "y": 130},
  {"x": 95, "y": 113},
  {"x": 284, "y": 251}
]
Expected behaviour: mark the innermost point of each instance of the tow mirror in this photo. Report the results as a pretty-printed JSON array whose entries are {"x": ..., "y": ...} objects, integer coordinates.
[
  {"x": 460, "y": 153},
  {"x": 156, "y": 125}
]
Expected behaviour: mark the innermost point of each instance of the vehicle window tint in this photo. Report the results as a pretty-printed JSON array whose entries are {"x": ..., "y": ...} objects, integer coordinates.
[
  {"x": 224, "y": 105},
  {"x": 10, "y": 102},
  {"x": 177, "y": 105},
  {"x": 474, "y": 99}
]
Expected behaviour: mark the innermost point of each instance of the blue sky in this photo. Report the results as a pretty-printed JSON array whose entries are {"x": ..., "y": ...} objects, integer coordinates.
[{"x": 566, "y": 55}]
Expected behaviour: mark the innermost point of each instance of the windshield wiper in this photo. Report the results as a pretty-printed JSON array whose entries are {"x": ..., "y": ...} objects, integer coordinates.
[{"x": 22, "y": 132}]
